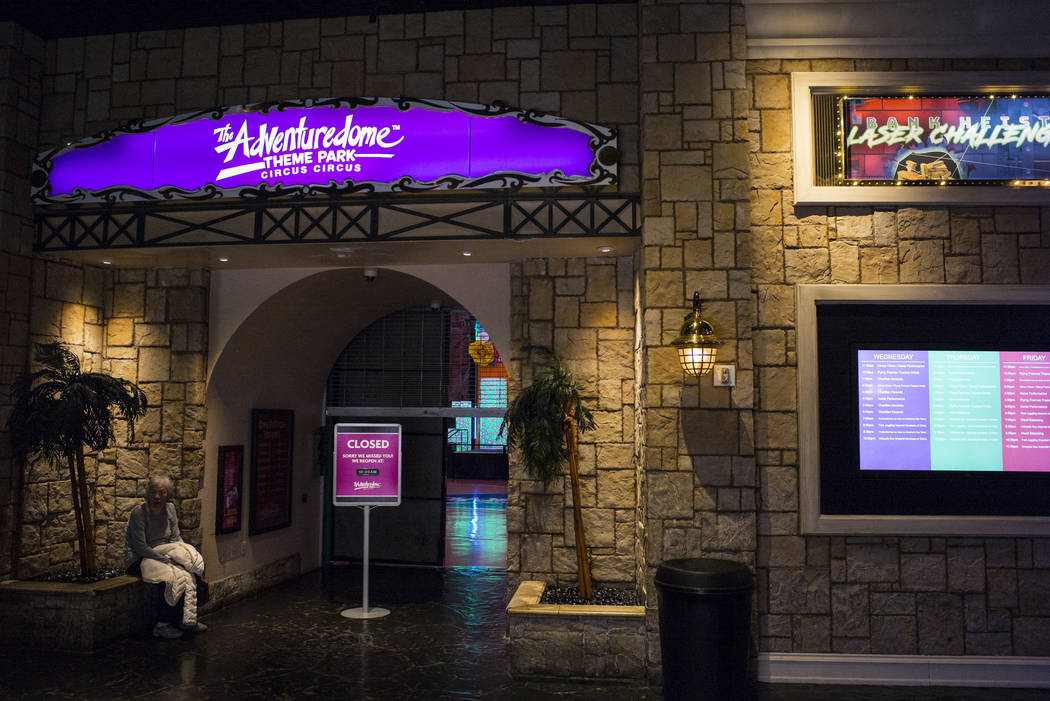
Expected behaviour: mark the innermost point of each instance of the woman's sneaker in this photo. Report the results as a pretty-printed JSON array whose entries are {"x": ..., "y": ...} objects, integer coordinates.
[
  {"x": 166, "y": 630},
  {"x": 197, "y": 627}
]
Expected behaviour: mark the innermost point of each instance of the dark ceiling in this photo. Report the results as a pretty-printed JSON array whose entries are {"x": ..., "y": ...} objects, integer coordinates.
[{"x": 63, "y": 18}]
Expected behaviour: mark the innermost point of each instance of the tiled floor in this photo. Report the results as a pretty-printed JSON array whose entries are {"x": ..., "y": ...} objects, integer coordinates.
[{"x": 444, "y": 639}]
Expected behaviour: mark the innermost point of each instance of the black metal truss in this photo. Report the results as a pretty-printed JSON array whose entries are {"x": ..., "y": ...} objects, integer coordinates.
[{"x": 348, "y": 219}]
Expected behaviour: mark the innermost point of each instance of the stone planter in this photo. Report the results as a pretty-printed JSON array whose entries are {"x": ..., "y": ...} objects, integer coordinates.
[
  {"x": 85, "y": 617},
  {"x": 595, "y": 642},
  {"x": 65, "y": 616}
]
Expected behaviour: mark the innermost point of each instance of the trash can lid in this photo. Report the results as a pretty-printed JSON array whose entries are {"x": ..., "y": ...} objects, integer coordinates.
[{"x": 703, "y": 573}]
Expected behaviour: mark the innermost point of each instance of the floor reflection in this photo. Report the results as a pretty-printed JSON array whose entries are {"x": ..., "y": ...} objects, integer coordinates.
[
  {"x": 476, "y": 524},
  {"x": 445, "y": 639}
]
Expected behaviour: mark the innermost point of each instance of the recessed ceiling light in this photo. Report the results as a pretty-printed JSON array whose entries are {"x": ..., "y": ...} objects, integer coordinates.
[
  {"x": 107, "y": 261},
  {"x": 224, "y": 259},
  {"x": 605, "y": 249},
  {"x": 468, "y": 254}
]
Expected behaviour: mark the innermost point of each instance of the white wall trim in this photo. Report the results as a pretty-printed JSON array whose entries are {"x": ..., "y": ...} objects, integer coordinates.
[{"x": 903, "y": 670}]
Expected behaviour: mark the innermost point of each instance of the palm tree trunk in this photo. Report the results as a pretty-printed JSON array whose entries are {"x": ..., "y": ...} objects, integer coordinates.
[
  {"x": 85, "y": 510},
  {"x": 583, "y": 563},
  {"x": 78, "y": 512}
]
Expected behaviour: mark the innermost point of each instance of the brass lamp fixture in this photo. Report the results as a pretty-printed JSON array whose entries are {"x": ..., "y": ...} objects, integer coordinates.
[{"x": 697, "y": 343}]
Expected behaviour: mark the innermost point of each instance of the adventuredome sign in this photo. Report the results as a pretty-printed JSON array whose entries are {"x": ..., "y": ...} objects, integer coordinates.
[{"x": 324, "y": 147}]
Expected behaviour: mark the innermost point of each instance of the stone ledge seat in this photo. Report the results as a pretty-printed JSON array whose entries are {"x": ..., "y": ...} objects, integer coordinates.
[{"x": 73, "y": 616}]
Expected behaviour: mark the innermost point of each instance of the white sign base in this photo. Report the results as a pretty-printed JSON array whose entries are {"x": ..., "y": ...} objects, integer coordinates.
[{"x": 360, "y": 613}]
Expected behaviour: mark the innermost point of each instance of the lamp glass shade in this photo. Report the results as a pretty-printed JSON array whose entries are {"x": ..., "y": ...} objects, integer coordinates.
[
  {"x": 697, "y": 360},
  {"x": 697, "y": 343}
]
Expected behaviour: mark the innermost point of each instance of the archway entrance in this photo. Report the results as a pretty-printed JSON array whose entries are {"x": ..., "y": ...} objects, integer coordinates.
[{"x": 433, "y": 371}]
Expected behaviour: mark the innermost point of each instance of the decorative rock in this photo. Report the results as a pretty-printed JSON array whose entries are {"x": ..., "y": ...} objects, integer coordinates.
[
  {"x": 871, "y": 563},
  {"x": 894, "y": 635},
  {"x": 922, "y": 223},
  {"x": 1033, "y": 588},
  {"x": 799, "y": 590},
  {"x": 923, "y": 572},
  {"x": 849, "y": 610},
  {"x": 966, "y": 569},
  {"x": 940, "y": 624},
  {"x": 726, "y": 532},
  {"x": 922, "y": 261},
  {"x": 616, "y": 489}
]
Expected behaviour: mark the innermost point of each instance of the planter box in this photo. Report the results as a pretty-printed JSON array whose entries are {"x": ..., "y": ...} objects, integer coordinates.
[
  {"x": 593, "y": 642},
  {"x": 85, "y": 617},
  {"x": 77, "y": 617}
]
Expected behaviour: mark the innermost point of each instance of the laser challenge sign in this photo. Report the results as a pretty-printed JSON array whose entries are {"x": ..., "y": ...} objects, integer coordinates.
[
  {"x": 367, "y": 469},
  {"x": 325, "y": 147},
  {"x": 946, "y": 140}
]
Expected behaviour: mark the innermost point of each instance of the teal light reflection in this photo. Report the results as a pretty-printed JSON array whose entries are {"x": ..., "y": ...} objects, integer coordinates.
[{"x": 476, "y": 530}]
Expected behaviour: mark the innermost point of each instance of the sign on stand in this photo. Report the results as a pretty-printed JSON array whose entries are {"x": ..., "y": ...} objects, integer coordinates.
[{"x": 367, "y": 473}]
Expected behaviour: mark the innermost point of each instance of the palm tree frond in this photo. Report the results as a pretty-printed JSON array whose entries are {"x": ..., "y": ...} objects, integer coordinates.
[
  {"x": 535, "y": 421},
  {"x": 58, "y": 410}
]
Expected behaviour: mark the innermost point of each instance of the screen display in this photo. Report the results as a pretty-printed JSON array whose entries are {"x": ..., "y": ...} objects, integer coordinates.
[
  {"x": 933, "y": 140},
  {"x": 933, "y": 408},
  {"x": 956, "y": 410}
]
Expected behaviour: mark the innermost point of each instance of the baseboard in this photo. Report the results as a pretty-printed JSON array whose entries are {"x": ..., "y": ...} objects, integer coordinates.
[
  {"x": 903, "y": 670},
  {"x": 229, "y": 589}
]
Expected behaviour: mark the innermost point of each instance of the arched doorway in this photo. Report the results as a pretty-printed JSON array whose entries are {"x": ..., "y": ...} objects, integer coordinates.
[
  {"x": 273, "y": 346},
  {"x": 434, "y": 372}
]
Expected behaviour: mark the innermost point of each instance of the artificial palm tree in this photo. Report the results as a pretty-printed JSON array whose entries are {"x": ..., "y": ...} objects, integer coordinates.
[
  {"x": 544, "y": 421},
  {"x": 58, "y": 410}
]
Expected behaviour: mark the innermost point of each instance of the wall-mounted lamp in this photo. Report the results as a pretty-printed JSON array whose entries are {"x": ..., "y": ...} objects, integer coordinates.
[{"x": 696, "y": 343}]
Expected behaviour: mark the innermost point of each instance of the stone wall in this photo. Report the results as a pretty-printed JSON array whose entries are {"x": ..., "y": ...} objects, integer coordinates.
[
  {"x": 21, "y": 65},
  {"x": 695, "y": 440},
  {"x": 582, "y": 309},
  {"x": 577, "y": 61},
  {"x": 899, "y": 595},
  {"x": 148, "y": 327}
]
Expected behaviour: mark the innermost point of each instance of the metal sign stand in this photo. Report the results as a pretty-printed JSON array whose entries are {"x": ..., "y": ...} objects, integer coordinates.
[{"x": 364, "y": 611}]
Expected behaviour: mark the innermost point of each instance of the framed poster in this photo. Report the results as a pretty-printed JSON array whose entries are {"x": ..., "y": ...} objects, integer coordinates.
[
  {"x": 367, "y": 465},
  {"x": 271, "y": 474},
  {"x": 947, "y": 138},
  {"x": 228, "y": 495}
]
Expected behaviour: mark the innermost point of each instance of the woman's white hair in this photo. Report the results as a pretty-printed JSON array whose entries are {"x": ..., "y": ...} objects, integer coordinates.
[{"x": 163, "y": 480}]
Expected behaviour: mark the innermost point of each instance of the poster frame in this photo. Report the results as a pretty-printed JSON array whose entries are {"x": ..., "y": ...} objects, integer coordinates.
[
  {"x": 805, "y": 86},
  {"x": 377, "y": 428},
  {"x": 235, "y": 452},
  {"x": 254, "y": 528}
]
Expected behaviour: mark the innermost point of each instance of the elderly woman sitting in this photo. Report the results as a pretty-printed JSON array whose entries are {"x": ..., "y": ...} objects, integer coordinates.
[{"x": 154, "y": 550}]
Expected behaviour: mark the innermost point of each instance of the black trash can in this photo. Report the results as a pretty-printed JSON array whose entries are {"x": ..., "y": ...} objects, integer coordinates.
[{"x": 705, "y": 629}]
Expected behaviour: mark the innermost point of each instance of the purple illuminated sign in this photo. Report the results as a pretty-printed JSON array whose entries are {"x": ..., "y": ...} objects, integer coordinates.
[
  {"x": 367, "y": 465},
  {"x": 317, "y": 147}
]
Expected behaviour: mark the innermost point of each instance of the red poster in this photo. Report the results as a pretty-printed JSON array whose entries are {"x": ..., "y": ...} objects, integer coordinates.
[{"x": 228, "y": 504}]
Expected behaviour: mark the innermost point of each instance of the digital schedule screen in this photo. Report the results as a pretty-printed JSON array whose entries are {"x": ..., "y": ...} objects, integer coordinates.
[
  {"x": 933, "y": 408},
  {"x": 954, "y": 410}
]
